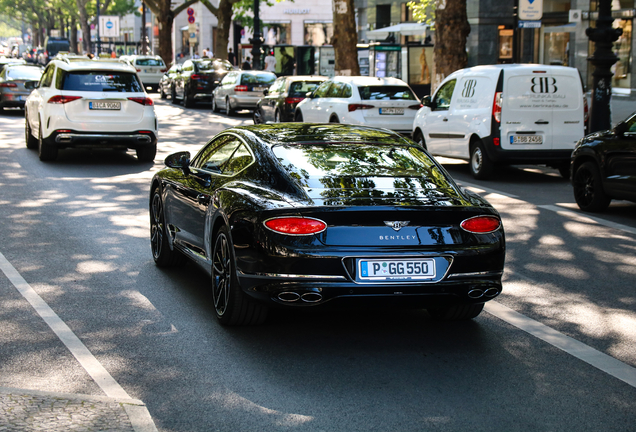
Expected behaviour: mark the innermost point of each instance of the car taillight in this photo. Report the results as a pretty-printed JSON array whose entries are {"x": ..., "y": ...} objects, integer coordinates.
[
  {"x": 296, "y": 225},
  {"x": 138, "y": 70},
  {"x": 163, "y": 70},
  {"x": 240, "y": 88},
  {"x": 293, "y": 100},
  {"x": 353, "y": 107},
  {"x": 142, "y": 100},
  {"x": 195, "y": 77},
  {"x": 496, "y": 107},
  {"x": 416, "y": 106},
  {"x": 61, "y": 99},
  {"x": 481, "y": 224},
  {"x": 5, "y": 84}
]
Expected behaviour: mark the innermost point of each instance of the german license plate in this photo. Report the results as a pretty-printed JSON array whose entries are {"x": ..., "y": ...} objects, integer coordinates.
[
  {"x": 104, "y": 105},
  {"x": 258, "y": 88},
  {"x": 392, "y": 111},
  {"x": 411, "y": 269},
  {"x": 526, "y": 139}
]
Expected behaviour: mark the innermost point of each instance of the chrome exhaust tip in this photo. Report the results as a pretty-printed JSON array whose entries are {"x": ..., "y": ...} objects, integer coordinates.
[
  {"x": 491, "y": 292},
  {"x": 311, "y": 297},
  {"x": 288, "y": 296},
  {"x": 475, "y": 293}
]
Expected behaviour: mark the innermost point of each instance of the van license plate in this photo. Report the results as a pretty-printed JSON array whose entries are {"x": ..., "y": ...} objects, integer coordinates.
[
  {"x": 392, "y": 111},
  {"x": 526, "y": 139},
  {"x": 408, "y": 269},
  {"x": 104, "y": 105}
]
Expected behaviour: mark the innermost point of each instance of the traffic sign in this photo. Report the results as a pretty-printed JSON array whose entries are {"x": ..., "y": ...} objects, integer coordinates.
[
  {"x": 190, "y": 11},
  {"x": 191, "y": 19}
]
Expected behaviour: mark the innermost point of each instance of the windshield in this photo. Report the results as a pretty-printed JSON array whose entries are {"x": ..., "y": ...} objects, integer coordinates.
[
  {"x": 26, "y": 73},
  {"x": 386, "y": 93},
  {"x": 149, "y": 62},
  {"x": 100, "y": 81},
  {"x": 260, "y": 78}
]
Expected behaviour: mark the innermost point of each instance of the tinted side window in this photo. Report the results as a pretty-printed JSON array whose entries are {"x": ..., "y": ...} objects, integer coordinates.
[
  {"x": 47, "y": 78},
  {"x": 322, "y": 89},
  {"x": 335, "y": 90},
  {"x": 300, "y": 88},
  {"x": 229, "y": 79},
  {"x": 443, "y": 96},
  {"x": 149, "y": 62},
  {"x": 240, "y": 160},
  {"x": 386, "y": 92},
  {"x": 217, "y": 154}
]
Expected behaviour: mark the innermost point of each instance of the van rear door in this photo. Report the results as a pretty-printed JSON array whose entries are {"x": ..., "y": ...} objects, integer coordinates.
[{"x": 542, "y": 108}]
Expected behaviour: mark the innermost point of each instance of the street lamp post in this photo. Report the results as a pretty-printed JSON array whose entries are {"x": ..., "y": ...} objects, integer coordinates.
[
  {"x": 256, "y": 39},
  {"x": 99, "y": 41},
  {"x": 603, "y": 35}
]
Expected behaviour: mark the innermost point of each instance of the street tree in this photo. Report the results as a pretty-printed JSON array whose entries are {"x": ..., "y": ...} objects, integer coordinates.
[
  {"x": 165, "y": 16},
  {"x": 87, "y": 10},
  {"x": 451, "y": 31},
  {"x": 345, "y": 38}
]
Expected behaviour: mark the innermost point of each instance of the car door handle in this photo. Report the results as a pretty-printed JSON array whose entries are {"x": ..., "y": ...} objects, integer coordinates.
[
  {"x": 444, "y": 119},
  {"x": 541, "y": 122}
]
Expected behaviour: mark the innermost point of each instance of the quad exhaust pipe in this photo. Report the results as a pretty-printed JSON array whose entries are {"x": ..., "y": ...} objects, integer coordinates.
[{"x": 307, "y": 297}]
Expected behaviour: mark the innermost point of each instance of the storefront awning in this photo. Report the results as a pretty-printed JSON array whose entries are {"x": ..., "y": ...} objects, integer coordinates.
[{"x": 405, "y": 29}]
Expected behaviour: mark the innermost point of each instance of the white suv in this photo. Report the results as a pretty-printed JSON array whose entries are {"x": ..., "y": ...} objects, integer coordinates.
[
  {"x": 149, "y": 68},
  {"x": 380, "y": 102},
  {"x": 92, "y": 103}
]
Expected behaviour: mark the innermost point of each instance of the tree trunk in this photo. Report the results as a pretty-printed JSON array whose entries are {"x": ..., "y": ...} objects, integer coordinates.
[
  {"x": 86, "y": 29},
  {"x": 451, "y": 31},
  {"x": 165, "y": 36},
  {"x": 345, "y": 38},
  {"x": 224, "y": 16},
  {"x": 73, "y": 35}
]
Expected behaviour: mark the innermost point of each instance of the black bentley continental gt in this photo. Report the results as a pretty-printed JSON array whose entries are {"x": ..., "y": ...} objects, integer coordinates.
[{"x": 304, "y": 215}]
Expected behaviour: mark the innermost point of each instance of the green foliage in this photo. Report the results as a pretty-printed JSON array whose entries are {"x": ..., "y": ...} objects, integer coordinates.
[
  {"x": 423, "y": 10},
  {"x": 244, "y": 11},
  {"x": 9, "y": 27}
]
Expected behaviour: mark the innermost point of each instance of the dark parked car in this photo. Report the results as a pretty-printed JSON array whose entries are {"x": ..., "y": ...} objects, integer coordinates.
[
  {"x": 241, "y": 90},
  {"x": 166, "y": 82},
  {"x": 53, "y": 46},
  {"x": 16, "y": 84},
  {"x": 604, "y": 167},
  {"x": 306, "y": 215},
  {"x": 280, "y": 100},
  {"x": 198, "y": 78}
]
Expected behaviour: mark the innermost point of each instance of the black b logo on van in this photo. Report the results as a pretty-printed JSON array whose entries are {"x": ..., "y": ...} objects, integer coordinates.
[
  {"x": 543, "y": 85},
  {"x": 469, "y": 88}
]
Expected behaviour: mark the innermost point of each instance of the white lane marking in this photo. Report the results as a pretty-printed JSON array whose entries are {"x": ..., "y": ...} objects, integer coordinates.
[
  {"x": 94, "y": 368},
  {"x": 481, "y": 189},
  {"x": 562, "y": 211},
  {"x": 589, "y": 355},
  {"x": 139, "y": 416}
]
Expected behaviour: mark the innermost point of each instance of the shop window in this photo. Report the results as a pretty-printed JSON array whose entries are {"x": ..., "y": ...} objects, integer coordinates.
[
  {"x": 278, "y": 33},
  {"x": 557, "y": 48},
  {"x": 505, "y": 43},
  {"x": 382, "y": 16},
  {"x": 318, "y": 33}
]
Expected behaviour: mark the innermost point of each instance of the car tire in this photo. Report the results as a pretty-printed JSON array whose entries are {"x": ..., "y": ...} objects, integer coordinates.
[
  {"x": 162, "y": 94},
  {"x": 147, "y": 154},
  {"x": 419, "y": 139},
  {"x": 174, "y": 96},
  {"x": 481, "y": 167},
  {"x": 231, "y": 305},
  {"x": 228, "y": 107},
  {"x": 257, "y": 117},
  {"x": 162, "y": 253},
  {"x": 215, "y": 107},
  {"x": 456, "y": 312},
  {"x": 188, "y": 102},
  {"x": 46, "y": 151},
  {"x": 333, "y": 119},
  {"x": 277, "y": 116},
  {"x": 298, "y": 117},
  {"x": 31, "y": 141},
  {"x": 588, "y": 188}
]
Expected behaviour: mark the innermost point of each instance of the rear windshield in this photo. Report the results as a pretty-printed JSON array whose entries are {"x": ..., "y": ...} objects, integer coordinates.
[
  {"x": 261, "y": 78},
  {"x": 101, "y": 81},
  {"x": 300, "y": 88},
  {"x": 26, "y": 72},
  {"x": 149, "y": 62},
  {"x": 57, "y": 46},
  {"x": 386, "y": 93},
  {"x": 311, "y": 163}
]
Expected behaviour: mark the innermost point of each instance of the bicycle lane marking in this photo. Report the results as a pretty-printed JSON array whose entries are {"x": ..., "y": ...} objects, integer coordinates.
[{"x": 139, "y": 415}]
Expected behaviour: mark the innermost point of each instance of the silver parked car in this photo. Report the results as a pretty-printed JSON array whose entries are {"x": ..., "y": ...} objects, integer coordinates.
[
  {"x": 16, "y": 84},
  {"x": 241, "y": 90}
]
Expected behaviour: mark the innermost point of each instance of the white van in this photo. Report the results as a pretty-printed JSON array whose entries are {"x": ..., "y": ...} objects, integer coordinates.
[{"x": 505, "y": 114}]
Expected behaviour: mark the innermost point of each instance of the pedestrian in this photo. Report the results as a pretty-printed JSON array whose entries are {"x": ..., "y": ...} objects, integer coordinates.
[
  {"x": 270, "y": 62},
  {"x": 246, "y": 64},
  {"x": 231, "y": 57},
  {"x": 205, "y": 53},
  {"x": 287, "y": 62}
]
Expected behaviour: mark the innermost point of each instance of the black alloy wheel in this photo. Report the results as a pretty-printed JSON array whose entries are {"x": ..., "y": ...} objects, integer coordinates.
[
  {"x": 232, "y": 306},
  {"x": 228, "y": 107},
  {"x": 257, "y": 117},
  {"x": 299, "y": 117},
  {"x": 31, "y": 141},
  {"x": 46, "y": 151},
  {"x": 588, "y": 188},
  {"x": 456, "y": 312},
  {"x": 188, "y": 102},
  {"x": 173, "y": 94},
  {"x": 161, "y": 252},
  {"x": 481, "y": 167}
]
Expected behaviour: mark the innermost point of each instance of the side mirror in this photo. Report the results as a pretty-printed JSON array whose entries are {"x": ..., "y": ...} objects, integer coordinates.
[
  {"x": 265, "y": 92},
  {"x": 310, "y": 95},
  {"x": 621, "y": 128},
  {"x": 427, "y": 102},
  {"x": 179, "y": 160}
]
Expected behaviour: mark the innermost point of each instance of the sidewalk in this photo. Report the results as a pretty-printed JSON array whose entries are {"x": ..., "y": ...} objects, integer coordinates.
[{"x": 30, "y": 410}]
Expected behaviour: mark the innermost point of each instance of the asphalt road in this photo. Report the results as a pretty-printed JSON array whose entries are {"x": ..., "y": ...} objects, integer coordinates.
[{"x": 555, "y": 352}]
